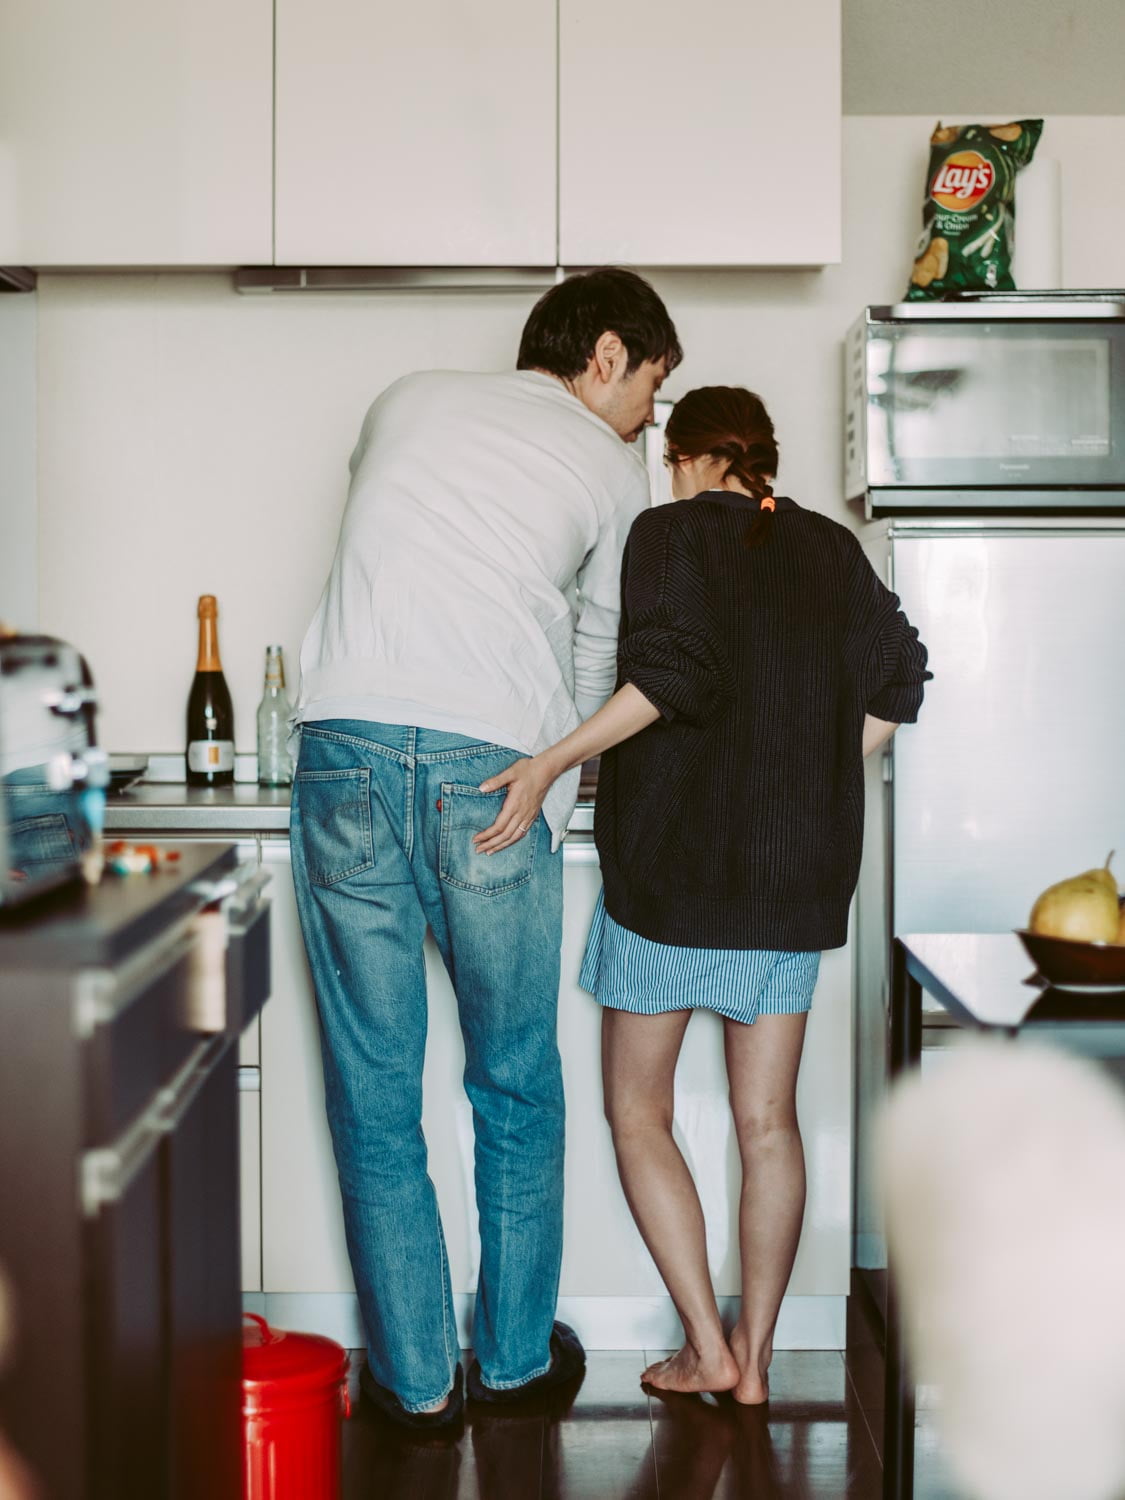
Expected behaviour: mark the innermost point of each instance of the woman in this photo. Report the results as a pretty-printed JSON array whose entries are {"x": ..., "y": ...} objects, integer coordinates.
[{"x": 760, "y": 660}]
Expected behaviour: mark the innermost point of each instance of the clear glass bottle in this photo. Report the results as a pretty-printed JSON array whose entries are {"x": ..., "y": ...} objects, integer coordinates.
[{"x": 274, "y": 765}]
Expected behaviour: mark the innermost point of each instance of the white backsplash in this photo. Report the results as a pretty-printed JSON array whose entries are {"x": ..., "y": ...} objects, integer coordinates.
[{"x": 193, "y": 441}]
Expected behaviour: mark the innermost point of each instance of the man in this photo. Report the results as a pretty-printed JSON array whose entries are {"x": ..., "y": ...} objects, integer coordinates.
[{"x": 471, "y": 611}]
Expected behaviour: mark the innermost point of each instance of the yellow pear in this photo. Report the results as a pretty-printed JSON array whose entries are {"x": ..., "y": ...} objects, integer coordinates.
[
  {"x": 1083, "y": 908},
  {"x": 1121, "y": 928}
]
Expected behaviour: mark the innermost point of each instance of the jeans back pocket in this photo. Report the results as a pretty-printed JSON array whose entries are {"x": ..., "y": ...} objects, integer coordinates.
[
  {"x": 42, "y": 840},
  {"x": 335, "y": 823},
  {"x": 465, "y": 812}
]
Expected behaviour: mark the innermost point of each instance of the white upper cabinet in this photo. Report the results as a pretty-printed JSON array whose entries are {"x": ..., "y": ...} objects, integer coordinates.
[
  {"x": 134, "y": 133},
  {"x": 452, "y": 133},
  {"x": 705, "y": 134},
  {"x": 416, "y": 134}
]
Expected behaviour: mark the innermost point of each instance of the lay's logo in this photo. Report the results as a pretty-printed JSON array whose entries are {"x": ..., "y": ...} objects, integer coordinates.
[{"x": 962, "y": 181}]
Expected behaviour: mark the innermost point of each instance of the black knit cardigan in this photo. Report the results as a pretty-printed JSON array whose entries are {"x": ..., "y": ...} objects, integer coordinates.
[{"x": 736, "y": 820}]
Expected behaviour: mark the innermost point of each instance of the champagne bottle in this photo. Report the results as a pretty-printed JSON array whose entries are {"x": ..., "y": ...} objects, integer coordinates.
[
  {"x": 210, "y": 717},
  {"x": 274, "y": 765}
]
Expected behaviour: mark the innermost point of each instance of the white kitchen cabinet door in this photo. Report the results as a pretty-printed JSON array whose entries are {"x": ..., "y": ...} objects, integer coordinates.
[
  {"x": 419, "y": 135},
  {"x": 706, "y": 135},
  {"x": 610, "y": 1288},
  {"x": 136, "y": 134},
  {"x": 303, "y": 1247},
  {"x": 604, "y": 1255}
]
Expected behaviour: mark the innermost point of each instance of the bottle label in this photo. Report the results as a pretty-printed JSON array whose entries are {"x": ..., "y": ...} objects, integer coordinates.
[{"x": 210, "y": 755}]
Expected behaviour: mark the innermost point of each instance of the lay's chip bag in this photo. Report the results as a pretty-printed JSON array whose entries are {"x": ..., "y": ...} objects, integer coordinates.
[{"x": 968, "y": 220}]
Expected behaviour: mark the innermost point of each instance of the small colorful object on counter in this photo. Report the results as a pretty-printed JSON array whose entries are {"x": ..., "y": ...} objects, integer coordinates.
[
  {"x": 137, "y": 859},
  {"x": 968, "y": 219}
]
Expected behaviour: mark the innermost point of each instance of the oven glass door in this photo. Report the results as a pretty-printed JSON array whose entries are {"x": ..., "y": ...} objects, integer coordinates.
[{"x": 996, "y": 404}]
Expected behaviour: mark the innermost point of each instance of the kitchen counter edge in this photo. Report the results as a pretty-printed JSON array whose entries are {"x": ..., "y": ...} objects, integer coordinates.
[{"x": 170, "y": 807}]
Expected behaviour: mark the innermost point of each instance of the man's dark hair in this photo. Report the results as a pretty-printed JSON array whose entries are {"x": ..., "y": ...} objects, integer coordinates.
[{"x": 567, "y": 322}]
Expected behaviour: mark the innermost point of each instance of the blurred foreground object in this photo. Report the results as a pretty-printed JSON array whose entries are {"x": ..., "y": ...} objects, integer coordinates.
[
  {"x": 15, "y": 1478},
  {"x": 1003, "y": 1177}
]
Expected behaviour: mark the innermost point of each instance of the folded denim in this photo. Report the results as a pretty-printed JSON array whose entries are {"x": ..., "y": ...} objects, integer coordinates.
[
  {"x": 447, "y": 1420},
  {"x": 568, "y": 1360}
]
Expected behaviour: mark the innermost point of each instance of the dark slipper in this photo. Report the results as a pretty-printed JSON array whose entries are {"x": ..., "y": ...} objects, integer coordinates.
[
  {"x": 435, "y": 1423},
  {"x": 568, "y": 1363}
]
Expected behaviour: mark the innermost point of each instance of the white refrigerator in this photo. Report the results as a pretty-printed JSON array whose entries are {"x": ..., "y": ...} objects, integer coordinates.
[{"x": 1014, "y": 775}]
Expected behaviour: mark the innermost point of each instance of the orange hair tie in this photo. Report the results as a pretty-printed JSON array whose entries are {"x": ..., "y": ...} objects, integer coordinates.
[{"x": 768, "y": 503}]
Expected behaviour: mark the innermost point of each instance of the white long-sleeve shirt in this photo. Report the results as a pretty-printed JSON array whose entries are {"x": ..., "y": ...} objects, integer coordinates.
[{"x": 476, "y": 583}]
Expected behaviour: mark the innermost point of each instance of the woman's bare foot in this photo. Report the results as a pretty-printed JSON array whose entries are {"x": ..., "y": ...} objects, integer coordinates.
[
  {"x": 690, "y": 1371},
  {"x": 753, "y": 1385}
]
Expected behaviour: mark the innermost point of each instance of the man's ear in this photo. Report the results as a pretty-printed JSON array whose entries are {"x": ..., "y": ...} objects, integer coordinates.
[{"x": 610, "y": 355}]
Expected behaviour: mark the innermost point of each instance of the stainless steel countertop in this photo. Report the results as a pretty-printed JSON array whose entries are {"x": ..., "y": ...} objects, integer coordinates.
[{"x": 172, "y": 807}]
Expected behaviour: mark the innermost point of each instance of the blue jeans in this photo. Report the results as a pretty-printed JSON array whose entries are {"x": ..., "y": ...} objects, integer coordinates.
[{"x": 382, "y": 825}]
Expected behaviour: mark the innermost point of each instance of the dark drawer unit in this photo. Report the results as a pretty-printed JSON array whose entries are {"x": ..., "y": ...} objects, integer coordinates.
[
  {"x": 132, "y": 1052},
  {"x": 119, "y": 1185},
  {"x": 248, "y": 955}
]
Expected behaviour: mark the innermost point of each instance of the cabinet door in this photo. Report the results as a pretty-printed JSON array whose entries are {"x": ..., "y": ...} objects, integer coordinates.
[
  {"x": 416, "y": 134},
  {"x": 707, "y": 136},
  {"x": 303, "y": 1248},
  {"x": 303, "y": 1244},
  {"x": 604, "y": 1256},
  {"x": 136, "y": 134},
  {"x": 250, "y": 1177},
  {"x": 202, "y": 1305},
  {"x": 126, "y": 1291}
]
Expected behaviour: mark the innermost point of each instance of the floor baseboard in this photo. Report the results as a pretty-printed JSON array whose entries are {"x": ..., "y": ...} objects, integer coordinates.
[{"x": 601, "y": 1322}]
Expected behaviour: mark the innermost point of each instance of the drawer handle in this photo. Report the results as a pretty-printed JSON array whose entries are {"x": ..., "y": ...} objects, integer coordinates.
[
  {"x": 245, "y": 880},
  {"x": 105, "y": 1173},
  {"x": 243, "y": 919},
  {"x": 205, "y": 1007}
]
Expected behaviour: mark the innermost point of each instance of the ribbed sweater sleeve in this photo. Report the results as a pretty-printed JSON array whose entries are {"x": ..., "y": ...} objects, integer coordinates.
[
  {"x": 670, "y": 648},
  {"x": 890, "y": 660}
]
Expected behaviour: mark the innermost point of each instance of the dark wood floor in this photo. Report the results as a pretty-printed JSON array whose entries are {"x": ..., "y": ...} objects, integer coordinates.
[{"x": 821, "y": 1440}]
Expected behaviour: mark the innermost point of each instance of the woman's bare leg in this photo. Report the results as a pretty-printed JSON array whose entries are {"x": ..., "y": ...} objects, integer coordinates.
[
  {"x": 762, "y": 1065},
  {"x": 638, "y": 1068}
]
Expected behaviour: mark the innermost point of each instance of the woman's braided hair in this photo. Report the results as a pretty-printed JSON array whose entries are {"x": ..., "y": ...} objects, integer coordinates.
[{"x": 730, "y": 424}]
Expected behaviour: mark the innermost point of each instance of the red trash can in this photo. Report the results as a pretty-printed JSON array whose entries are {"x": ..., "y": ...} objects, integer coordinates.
[{"x": 294, "y": 1392}]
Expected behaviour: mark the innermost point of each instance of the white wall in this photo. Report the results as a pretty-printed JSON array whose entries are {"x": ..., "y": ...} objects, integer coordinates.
[
  {"x": 19, "y": 568},
  {"x": 194, "y": 441},
  {"x": 1024, "y": 57}
]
